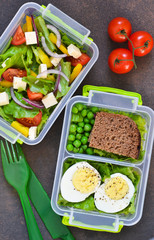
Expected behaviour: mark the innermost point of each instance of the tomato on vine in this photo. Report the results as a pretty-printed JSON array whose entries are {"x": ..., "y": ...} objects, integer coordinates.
[
  {"x": 142, "y": 42},
  {"x": 121, "y": 60},
  {"x": 117, "y": 27}
]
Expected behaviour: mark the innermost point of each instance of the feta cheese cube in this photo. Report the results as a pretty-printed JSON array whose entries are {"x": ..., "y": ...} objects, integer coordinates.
[
  {"x": 49, "y": 100},
  {"x": 32, "y": 133},
  {"x": 30, "y": 38},
  {"x": 18, "y": 83},
  {"x": 74, "y": 51},
  {"x": 4, "y": 99},
  {"x": 4, "y": 63},
  {"x": 42, "y": 68},
  {"x": 55, "y": 61}
]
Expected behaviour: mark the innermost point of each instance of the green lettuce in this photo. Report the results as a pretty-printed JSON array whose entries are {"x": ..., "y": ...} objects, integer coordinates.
[
  {"x": 41, "y": 85},
  {"x": 42, "y": 28},
  {"x": 105, "y": 170},
  {"x": 17, "y": 111},
  {"x": 66, "y": 69}
]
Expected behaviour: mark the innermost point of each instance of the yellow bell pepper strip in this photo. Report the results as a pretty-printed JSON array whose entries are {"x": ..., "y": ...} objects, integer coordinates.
[
  {"x": 53, "y": 39},
  {"x": 29, "y": 25},
  {"x": 75, "y": 72},
  {"x": 24, "y": 27},
  {"x": 44, "y": 58},
  {"x": 33, "y": 73},
  {"x": 5, "y": 83},
  {"x": 21, "y": 128}
]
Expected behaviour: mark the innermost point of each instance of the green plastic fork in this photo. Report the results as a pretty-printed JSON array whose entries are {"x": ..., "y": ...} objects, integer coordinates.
[{"x": 16, "y": 173}]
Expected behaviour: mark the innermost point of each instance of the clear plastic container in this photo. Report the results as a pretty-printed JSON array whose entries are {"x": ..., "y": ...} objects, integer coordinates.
[
  {"x": 76, "y": 32},
  {"x": 95, "y": 220}
]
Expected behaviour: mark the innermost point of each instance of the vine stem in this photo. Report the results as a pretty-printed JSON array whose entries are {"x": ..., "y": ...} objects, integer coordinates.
[{"x": 132, "y": 48}]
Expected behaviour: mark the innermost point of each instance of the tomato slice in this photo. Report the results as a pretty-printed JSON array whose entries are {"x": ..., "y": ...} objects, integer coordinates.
[
  {"x": 30, "y": 122},
  {"x": 10, "y": 73},
  {"x": 83, "y": 60},
  {"x": 19, "y": 37},
  {"x": 33, "y": 96}
]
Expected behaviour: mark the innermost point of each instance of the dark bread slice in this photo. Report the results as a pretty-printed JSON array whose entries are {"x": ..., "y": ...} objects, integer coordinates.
[{"x": 115, "y": 133}]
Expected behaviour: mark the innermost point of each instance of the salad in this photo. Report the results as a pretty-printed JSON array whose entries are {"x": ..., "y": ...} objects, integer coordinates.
[{"x": 37, "y": 68}]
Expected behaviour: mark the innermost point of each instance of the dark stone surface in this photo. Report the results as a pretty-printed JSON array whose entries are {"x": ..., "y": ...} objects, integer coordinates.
[{"x": 94, "y": 15}]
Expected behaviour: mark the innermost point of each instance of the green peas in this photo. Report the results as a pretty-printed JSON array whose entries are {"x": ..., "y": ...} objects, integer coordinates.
[
  {"x": 70, "y": 147},
  {"x": 71, "y": 137},
  {"x": 84, "y": 140},
  {"x": 79, "y": 129},
  {"x": 89, "y": 151},
  {"x": 86, "y": 120},
  {"x": 92, "y": 121},
  {"x": 75, "y": 150},
  {"x": 74, "y": 110},
  {"x": 80, "y": 150},
  {"x": 81, "y": 124},
  {"x": 84, "y": 147},
  {"x": 73, "y": 128},
  {"x": 84, "y": 112},
  {"x": 90, "y": 115},
  {"x": 87, "y": 127},
  {"x": 79, "y": 106},
  {"x": 87, "y": 134},
  {"x": 78, "y": 136},
  {"x": 95, "y": 109},
  {"x": 77, "y": 143}
]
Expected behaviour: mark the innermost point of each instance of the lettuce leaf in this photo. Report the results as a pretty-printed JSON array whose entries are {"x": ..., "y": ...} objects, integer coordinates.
[
  {"x": 17, "y": 111},
  {"x": 41, "y": 85},
  {"x": 105, "y": 170},
  {"x": 66, "y": 69}
]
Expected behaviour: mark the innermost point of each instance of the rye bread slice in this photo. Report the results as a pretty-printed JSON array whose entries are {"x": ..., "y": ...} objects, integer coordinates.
[{"x": 115, "y": 133}]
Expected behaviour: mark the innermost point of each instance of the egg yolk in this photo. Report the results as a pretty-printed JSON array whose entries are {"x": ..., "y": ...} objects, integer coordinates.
[
  {"x": 116, "y": 188},
  {"x": 85, "y": 180}
]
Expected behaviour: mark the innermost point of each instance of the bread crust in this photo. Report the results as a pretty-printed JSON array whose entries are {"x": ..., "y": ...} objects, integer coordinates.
[{"x": 117, "y": 134}]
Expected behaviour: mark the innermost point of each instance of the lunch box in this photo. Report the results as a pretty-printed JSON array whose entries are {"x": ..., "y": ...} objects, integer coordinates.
[
  {"x": 76, "y": 32},
  {"x": 117, "y": 100}
]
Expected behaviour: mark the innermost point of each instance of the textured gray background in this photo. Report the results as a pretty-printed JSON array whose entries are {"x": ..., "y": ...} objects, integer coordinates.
[{"x": 95, "y": 15}]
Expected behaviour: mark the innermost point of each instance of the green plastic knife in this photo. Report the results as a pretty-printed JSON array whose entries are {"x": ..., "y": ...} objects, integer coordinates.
[{"x": 41, "y": 202}]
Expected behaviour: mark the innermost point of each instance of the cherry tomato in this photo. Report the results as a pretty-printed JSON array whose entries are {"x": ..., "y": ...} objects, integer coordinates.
[
  {"x": 13, "y": 72},
  {"x": 33, "y": 96},
  {"x": 19, "y": 37},
  {"x": 118, "y": 25},
  {"x": 30, "y": 122},
  {"x": 143, "y": 41},
  {"x": 120, "y": 66},
  {"x": 83, "y": 60}
]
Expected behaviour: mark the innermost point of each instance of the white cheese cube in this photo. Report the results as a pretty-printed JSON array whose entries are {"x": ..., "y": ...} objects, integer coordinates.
[
  {"x": 42, "y": 68},
  {"x": 55, "y": 61},
  {"x": 74, "y": 51},
  {"x": 18, "y": 83},
  {"x": 30, "y": 38},
  {"x": 4, "y": 63},
  {"x": 32, "y": 133},
  {"x": 4, "y": 99},
  {"x": 49, "y": 100}
]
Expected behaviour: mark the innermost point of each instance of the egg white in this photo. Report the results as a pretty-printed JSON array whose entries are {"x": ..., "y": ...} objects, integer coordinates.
[
  {"x": 108, "y": 205},
  {"x": 68, "y": 190}
]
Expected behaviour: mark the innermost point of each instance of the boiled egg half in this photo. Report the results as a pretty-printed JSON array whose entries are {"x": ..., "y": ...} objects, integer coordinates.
[
  {"x": 79, "y": 181},
  {"x": 114, "y": 194}
]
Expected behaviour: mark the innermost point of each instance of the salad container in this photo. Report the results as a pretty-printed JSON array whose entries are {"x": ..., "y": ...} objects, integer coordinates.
[
  {"x": 117, "y": 100},
  {"x": 74, "y": 31}
]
